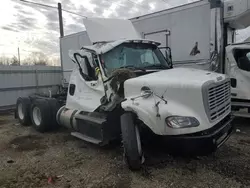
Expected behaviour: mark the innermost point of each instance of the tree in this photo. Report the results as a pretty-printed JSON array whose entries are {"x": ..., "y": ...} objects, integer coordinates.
[
  {"x": 14, "y": 61},
  {"x": 37, "y": 58}
]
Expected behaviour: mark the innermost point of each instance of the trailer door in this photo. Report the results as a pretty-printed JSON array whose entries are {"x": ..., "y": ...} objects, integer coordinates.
[{"x": 159, "y": 36}]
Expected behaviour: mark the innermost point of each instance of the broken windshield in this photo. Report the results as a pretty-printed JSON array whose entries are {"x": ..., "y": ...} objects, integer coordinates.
[{"x": 138, "y": 56}]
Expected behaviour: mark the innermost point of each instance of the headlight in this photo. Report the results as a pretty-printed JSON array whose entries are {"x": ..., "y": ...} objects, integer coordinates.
[{"x": 178, "y": 122}]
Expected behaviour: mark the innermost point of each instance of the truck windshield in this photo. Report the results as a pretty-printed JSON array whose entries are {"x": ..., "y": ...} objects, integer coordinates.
[{"x": 134, "y": 55}]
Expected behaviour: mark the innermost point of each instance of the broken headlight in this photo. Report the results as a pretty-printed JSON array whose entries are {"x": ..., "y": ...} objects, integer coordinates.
[{"x": 178, "y": 122}]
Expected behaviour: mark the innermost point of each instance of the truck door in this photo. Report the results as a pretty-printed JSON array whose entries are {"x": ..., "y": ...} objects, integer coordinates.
[
  {"x": 238, "y": 58},
  {"x": 161, "y": 36},
  {"x": 85, "y": 85}
]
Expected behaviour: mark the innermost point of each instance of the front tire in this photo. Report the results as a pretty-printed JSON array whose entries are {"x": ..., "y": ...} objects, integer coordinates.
[{"x": 133, "y": 154}]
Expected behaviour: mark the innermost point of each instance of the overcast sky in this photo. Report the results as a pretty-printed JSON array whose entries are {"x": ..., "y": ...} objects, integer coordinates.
[{"x": 34, "y": 28}]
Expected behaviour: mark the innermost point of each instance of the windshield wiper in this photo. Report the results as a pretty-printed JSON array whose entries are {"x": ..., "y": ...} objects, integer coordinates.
[
  {"x": 133, "y": 67},
  {"x": 159, "y": 66}
]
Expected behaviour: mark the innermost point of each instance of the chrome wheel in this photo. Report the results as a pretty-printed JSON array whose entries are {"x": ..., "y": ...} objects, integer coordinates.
[
  {"x": 20, "y": 111},
  {"x": 37, "y": 116}
]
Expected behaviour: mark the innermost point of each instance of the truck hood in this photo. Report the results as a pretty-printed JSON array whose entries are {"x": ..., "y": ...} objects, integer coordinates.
[
  {"x": 184, "y": 92},
  {"x": 172, "y": 78}
]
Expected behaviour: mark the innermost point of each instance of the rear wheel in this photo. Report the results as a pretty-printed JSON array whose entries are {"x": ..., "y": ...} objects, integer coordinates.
[
  {"x": 22, "y": 110},
  {"x": 41, "y": 115},
  {"x": 133, "y": 153}
]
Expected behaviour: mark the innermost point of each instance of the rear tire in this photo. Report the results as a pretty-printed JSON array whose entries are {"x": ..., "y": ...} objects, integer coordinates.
[
  {"x": 133, "y": 154},
  {"x": 23, "y": 110},
  {"x": 41, "y": 115},
  {"x": 54, "y": 107}
]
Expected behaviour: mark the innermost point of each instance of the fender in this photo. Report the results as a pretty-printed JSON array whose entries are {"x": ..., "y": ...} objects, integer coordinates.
[{"x": 154, "y": 118}]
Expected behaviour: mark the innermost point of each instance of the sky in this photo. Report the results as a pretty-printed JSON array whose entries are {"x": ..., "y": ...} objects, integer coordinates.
[{"x": 34, "y": 28}]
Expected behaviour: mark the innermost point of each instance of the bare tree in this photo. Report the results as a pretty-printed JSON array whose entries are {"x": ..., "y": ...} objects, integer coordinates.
[
  {"x": 14, "y": 61},
  {"x": 36, "y": 58},
  {"x": 5, "y": 60}
]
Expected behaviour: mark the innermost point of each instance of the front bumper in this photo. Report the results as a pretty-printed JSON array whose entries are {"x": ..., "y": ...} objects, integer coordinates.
[{"x": 201, "y": 143}]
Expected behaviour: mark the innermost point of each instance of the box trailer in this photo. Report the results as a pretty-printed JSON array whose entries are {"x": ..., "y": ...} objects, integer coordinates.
[{"x": 182, "y": 29}]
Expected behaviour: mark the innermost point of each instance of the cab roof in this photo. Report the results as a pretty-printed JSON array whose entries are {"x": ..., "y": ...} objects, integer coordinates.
[{"x": 104, "y": 47}]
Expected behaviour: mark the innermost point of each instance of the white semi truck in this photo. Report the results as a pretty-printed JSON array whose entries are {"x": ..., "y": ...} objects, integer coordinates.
[
  {"x": 203, "y": 35},
  {"x": 122, "y": 85}
]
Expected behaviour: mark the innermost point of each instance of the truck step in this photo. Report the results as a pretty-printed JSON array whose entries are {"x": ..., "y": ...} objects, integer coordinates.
[
  {"x": 91, "y": 118},
  {"x": 241, "y": 114},
  {"x": 241, "y": 104},
  {"x": 94, "y": 127},
  {"x": 86, "y": 138}
]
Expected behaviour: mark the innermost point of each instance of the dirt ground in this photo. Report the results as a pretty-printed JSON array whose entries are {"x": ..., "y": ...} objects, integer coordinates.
[{"x": 31, "y": 159}]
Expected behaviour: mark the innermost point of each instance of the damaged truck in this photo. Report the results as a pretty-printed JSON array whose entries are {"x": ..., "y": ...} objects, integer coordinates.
[{"x": 122, "y": 84}]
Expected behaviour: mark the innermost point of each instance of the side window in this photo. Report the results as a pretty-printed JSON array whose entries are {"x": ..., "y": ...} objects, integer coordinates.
[
  {"x": 242, "y": 57},
  {"x": 248, "y": 55},
  {"x": 87, "y": 68}
]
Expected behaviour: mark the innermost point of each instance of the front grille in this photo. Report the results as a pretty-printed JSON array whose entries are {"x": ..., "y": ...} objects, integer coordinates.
[{"x": 217, "y": 98}]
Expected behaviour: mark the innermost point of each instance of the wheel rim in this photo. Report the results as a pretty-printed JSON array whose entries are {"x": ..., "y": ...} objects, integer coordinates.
[
  {"x": 20, "y": 111},
  {"x": 37, "y": 116}
]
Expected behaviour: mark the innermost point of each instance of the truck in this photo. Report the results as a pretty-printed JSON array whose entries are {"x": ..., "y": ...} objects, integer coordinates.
[
  {"x": 202, "y": 35},
  {"x": 122, "y": 86}
]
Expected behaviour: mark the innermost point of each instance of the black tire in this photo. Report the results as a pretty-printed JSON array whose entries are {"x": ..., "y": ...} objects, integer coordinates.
[
  {"x": 132, "y": 155},
  {"x": 22, "y": 112},
  {"x": 43, "y": 123},
  {"x": 54, "y": 107}
]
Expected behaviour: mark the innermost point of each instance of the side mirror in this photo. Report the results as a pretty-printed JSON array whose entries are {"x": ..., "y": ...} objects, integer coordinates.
[{"x": 169, "y": 56}]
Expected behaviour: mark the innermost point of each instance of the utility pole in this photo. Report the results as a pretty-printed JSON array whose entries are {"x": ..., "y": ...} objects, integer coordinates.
[
  {"x": 60, "y": 20},
  {"x": 18, "y": 51}
]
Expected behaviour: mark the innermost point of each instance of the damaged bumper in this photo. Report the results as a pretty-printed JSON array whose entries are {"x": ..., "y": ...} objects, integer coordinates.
[{"x": 202, "y": 142}]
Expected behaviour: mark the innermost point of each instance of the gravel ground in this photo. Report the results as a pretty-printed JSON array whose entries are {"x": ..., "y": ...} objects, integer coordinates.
[{"x": 31, "y": 159}]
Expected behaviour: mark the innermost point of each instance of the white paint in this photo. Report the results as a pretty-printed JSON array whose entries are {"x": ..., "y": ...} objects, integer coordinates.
[
  {"x": 87, "y": 93},
  {"x": 181, "y": 87},
  {"x": 100, "y": 29},
  {"x": 187, "y": 25},
  {"x": 237, "y": 13},
  {"x": 243, "y": 77}
]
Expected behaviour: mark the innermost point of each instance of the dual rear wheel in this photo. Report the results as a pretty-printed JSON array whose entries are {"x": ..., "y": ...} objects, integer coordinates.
[{"x": 41, "y": 113}]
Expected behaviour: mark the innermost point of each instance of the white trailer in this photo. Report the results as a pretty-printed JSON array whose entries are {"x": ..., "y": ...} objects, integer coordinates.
[
  {"x": 71, "y": 42},
  {"x": 202, "y": 35},
  {"x": 180, "y": 29}
]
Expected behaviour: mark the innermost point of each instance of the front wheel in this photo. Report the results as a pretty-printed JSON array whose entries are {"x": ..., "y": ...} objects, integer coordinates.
[{"x": 133, "y": 154}]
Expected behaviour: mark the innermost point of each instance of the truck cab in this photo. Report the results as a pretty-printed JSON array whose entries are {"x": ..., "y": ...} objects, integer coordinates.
[
  {"x": 128, "y": 85},
  {"x": 237, "y": 65},
  {"x": 122, "y": 85}
]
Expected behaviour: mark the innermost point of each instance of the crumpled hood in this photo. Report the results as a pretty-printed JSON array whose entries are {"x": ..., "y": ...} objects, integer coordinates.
[{"x": 172, "y": 78}]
